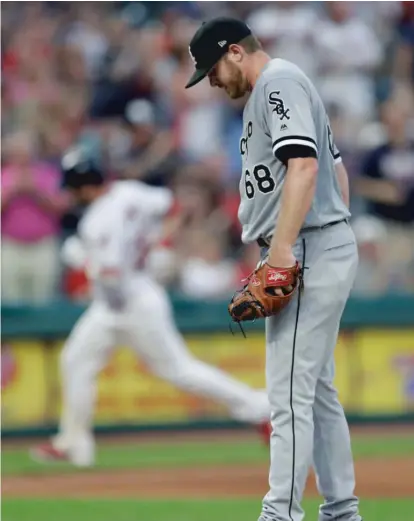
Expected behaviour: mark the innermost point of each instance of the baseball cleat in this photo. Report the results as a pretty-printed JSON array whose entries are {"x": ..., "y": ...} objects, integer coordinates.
[
  {"x": 265, "y": 431},
  {"x": 47, "y": 453}
]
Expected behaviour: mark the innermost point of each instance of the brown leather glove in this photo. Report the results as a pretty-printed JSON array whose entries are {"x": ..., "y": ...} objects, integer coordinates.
[{"x": 266, "y": 293}]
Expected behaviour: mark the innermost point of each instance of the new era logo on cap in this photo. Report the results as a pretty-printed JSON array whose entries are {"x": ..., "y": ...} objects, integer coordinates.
[{"x": 222, "y": 43}]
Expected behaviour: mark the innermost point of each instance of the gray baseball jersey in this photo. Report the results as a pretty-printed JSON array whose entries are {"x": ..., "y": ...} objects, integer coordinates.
[
  {"x": 283, "y": 118},
  {"x": 284, "y": 109}
]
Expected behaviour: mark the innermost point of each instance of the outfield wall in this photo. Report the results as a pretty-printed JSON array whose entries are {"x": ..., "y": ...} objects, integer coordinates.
[{"x": 375, "y": 366}]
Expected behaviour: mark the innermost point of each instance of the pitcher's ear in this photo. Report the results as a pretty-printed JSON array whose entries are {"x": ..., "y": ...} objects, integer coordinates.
[{"x": 235, "y": 53}]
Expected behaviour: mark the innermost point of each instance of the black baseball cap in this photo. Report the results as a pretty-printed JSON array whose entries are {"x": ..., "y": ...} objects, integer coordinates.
[
  {"x": 211, "y": 41},
  {"x": 79, "y": 169}
]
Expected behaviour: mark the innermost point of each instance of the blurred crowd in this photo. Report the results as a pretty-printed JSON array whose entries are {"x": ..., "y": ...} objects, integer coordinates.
[{"x": 111, "y": 76}]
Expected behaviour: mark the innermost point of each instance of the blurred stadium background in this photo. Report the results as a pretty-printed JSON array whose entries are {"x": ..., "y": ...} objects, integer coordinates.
[{"x": 110, "y": 76}]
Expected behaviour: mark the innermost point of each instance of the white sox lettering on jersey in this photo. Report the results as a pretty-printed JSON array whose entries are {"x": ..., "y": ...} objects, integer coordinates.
[
  {"x": 299, "y": 128},
  {"x": 285, "y": 117}
]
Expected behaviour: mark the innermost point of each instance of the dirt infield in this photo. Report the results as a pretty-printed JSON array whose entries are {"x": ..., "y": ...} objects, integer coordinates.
[
  {"x": 392, "y": 477},
  {"x": 376, "y": 478}
]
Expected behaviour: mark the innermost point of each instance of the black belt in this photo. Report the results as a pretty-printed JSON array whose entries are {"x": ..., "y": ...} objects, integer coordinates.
[{"x": 264, "y": 243}]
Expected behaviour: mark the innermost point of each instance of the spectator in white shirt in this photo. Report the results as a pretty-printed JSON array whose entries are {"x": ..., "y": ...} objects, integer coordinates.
[
  {"x": 286, "y": 30},
  {"x": 348, "y": 53}
]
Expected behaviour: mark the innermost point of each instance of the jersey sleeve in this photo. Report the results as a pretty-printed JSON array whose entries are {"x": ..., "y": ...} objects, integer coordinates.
[
  {"x": 288, "y": 115},
  {"x": 72, "y": 253},
  {"x": 153, "y": 201},
  {"x": 337, "y": 154}
]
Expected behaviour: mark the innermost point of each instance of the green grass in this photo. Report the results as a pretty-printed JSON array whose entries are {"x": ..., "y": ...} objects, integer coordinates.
[
  {"x": 189, "y": 510},
  {"x": 141, "y": 455},
  {"x": 148, "y": 455},
  {"x": 196, "y": 453}
]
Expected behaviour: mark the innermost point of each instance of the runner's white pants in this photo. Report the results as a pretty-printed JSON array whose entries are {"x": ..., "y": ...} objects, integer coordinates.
[{"x": 148, "y": 327}]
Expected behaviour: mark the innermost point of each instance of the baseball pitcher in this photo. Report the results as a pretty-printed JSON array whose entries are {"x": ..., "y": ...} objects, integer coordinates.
[
  {"x": 122, "y": 221},
  {"x": 294, "y": 203}
]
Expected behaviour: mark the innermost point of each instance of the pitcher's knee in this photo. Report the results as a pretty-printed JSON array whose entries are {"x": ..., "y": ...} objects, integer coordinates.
[
  {"x": 327, "y": 402},
  {"x": 281, "y": 416},
  {"x": 297, "y": 401}
]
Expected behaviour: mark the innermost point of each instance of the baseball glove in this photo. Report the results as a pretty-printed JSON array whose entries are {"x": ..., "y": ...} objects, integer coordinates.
[{"x": 267, "y": 292}]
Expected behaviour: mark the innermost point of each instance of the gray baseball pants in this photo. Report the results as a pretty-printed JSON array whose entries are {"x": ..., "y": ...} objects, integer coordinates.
[{"x": 309, "y": 425}]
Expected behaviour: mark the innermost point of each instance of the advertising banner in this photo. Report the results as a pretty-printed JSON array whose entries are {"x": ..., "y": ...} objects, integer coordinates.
[{"x": 374, "y": 375}]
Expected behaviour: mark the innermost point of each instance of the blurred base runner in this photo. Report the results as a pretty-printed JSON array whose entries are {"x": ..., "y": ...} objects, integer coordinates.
[
  {"x": 149, "y": 329},
  {"x": 128, "y": 308}
]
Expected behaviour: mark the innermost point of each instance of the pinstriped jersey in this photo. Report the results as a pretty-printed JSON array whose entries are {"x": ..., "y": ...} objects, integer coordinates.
[{"x": 284, "y": 109}]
